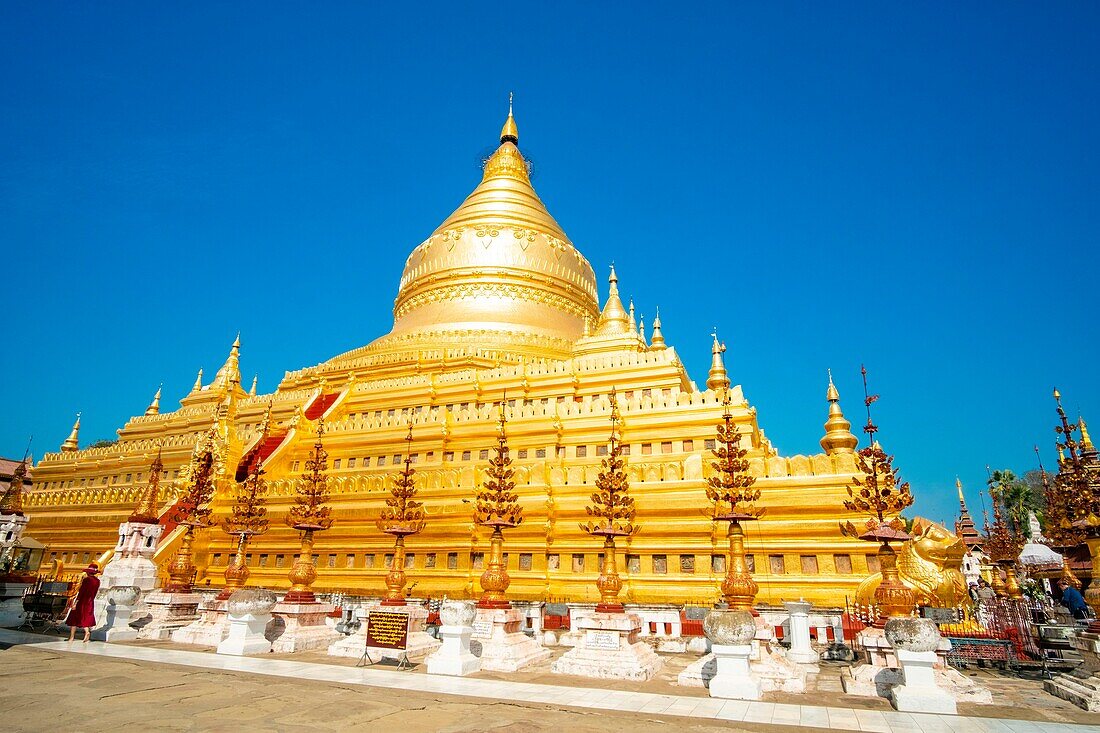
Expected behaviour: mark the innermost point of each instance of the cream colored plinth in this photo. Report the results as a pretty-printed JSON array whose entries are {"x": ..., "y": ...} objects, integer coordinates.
[
  {"x": 454, "y": 656},
  {"x": 247, "y": 635},
  {"x": 882, "y": 672},
  {"x": 210, "y": 629},
  {"x": 771, "y": 668},
  {"x": 504, "y": 647},
  {"x": 168, "y": 612},
  {"x": 301, "y": 627},
  {"x": 610, "y": 649},
  {"x": 419, "y": 645},
  {"x": 1081, "y": 688}
]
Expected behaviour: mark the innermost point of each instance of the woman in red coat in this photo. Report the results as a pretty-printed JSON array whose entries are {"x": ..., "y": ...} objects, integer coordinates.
[{"x": 82, "y": 614}]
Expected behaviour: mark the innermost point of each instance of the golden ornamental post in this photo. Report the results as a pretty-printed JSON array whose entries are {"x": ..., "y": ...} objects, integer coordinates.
[
  {"x": 309, "y": 514},
  {"x": 248, "y": 518},
  {"x": 498, "y": 508},
  {"x": 402, "y": 517},
  {"x": 1060, "y": 532},
  {"x": 881, "y": 497},
  {"x": 1079, "y": 480},
  {"x": 193, "y": 511},
  {"x": 731, "y": 490},
  {"x": 613, "y": 515}
]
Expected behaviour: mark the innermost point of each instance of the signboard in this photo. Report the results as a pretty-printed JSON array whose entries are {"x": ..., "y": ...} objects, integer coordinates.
[
  {"x": 483, "y": 629},
  {"x": 387, "y": 630},
  {"x": 941, "y": 615},
  {"x": 608, "y": 640}
]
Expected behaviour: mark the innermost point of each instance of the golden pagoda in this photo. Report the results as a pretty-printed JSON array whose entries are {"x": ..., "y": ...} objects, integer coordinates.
[{"x": 496, "y": 306}]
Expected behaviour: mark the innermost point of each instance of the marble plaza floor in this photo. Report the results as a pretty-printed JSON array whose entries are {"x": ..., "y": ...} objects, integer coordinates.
[{"x": 50, "y": 685}]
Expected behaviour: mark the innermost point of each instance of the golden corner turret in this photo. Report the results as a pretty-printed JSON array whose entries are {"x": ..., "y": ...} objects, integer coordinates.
[
  {"x": 657, "y": 343},
  {"x": 838, "y": 431},
  {"x": 717, "y": 379},
  {"x": 72, "y": 443},
  {"x": 154, "y": 406}
]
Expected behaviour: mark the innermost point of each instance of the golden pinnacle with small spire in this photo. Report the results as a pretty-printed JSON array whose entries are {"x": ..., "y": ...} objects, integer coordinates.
[
  {"x": 510, "y": 133},
  {"x": 252, "y": 391},
  {"x": 198, "y": 382},
  {"x": 838, "y": 431},
  {"x": 72, "y": 443},
  {"x": 717, "y": 379},
  {"x": 658, "y": 341},
  {"x": 641, "y": 331},
  {"x": 147, "y": 509},
  {"x": 154, "y": 406},
  {"x": 614, "y": 318}
]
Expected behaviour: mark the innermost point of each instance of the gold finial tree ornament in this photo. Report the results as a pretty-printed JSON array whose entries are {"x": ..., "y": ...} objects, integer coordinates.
[
  {"x": 310, "y": 514},
  {"x": 1060, "y": 532},
  {"x": 1002, "y": 545},
  {"x": 1078, "y": 481},
  {"x": 731, "y": 490},
  {"x": 403, "y": 516},
  {"x": 248, "y": 517},
  {"x": 612, "y": 512},
  {"x": 498, "y": 508},
  {"x": 881, "y": 498},
  {"x": 193, "y": 509}
]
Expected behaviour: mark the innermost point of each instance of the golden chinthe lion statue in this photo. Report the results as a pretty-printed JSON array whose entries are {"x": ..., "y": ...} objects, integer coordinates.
[{"x": 931, "y": 564}]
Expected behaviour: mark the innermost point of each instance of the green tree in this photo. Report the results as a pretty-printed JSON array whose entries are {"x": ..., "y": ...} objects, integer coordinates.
[{"x": 1016, "y": 496}]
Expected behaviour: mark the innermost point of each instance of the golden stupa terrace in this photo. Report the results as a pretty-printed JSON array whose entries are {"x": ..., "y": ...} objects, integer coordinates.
[{"x": 497, "y": 306}]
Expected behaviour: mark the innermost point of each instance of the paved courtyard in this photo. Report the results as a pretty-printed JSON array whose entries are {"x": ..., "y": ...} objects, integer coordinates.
[{"x": 49, "y": 685}]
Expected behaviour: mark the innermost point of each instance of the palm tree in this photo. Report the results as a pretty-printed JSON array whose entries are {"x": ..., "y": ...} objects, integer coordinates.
[{"x": 1016, "y": 496}]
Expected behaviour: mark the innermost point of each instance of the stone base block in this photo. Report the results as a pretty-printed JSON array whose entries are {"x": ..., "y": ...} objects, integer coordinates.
[
  {"x": 922, "y": 700},
  {"x": 12, "y": 614},
  {"x": 609, "y": 649},
  {"x": 168, "y": 612},
  {"x": 247, "y": 635},
  {"x": 454, "y": 656},
  {"x": 209, "y": 630},
  {"x": 1082, "y": 691},
  {"x": 868, "y": 680},
  {"x": 503, "y": 647},
  {"x": 116, "y": 626},
  {"x": 300, "y": 627},
  {"x": 774, "y": 672}
]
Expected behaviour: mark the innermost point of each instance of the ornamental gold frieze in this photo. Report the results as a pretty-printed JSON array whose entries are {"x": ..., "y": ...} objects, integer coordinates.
[{"x": 474, "y": 286}]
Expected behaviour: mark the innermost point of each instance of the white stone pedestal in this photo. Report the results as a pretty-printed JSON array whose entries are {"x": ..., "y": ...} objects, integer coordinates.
[
  {"x": 918, "y": 692},
  {"x": 504, "y": 648},
  {"x": 168, "y": 612},
  {"x": 609, "y": 649},
  {"x": 1081, "y": 687},
  {"x": 132, "y": 564},
  {"x": 454, "y": 656},
  {"x": 301, "y": 627},
  {"x": 116, "y": 625},
  {"x": 11, "y": 603},
  {"x": 210, "y": 628},
  {"x": 770, "y": 666},
  {"x": 801, "y": 651},
  {"x": 419, "y": 645},
  {"x": 734, "y": 678},
  {"x": 246, "y": 635}
]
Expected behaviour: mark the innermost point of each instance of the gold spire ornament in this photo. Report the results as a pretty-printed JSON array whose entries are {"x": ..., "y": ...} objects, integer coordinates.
[
  {"x": 613, "y": 319},
  {"x": 731, "y": 490},
  {"x": 309, "y": 514},
  {"x": 498, "y": 508},
  {"x": 1059, "y": 531},
  {"x": 402, "y": 517},
  {"x": 612, "y": 510},
  {"x": 509, "y": 133},
  {"x": 72, "y": 443},
  {"x": 198, "y": 382},
  {"x": 881, "y": 498},
  {"x": 838, "y": 431},
  {"x": 657, "y": 342},
  {"x": 193, "y": 510},
  {"x": 147, "y": 510},
  {"x": 154, "y": 406},
  {"x": 248, "y": 518},
  {"x": 717, "y": 378},
  {"x": 252, "y": 390}
]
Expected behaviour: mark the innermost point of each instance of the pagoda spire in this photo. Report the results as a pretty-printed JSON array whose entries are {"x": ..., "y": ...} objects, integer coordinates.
[
  {"x": 838, "y": 431},
  {"x": 146, "y": 511},
  {"x": 12, "y": 500},
  {"x": 230, "y": 373},
  {"x": 154, "y": 406},
  {"x": 198, "y": 382},
  {"x": 630, "y": 313},
  {"x": 72, "y": 443},
  {"x": 509, "y": 133},
  {"x": 964, "y": 525},
  {"x": 641, "y": 331},
  {"x": 252, "y": 391},
  {"x": 658, "y": 342},
  {"x": 717, "y": 378},
  {"x": 614, "y": 318},
  {"x": 1086, "y": 439}
]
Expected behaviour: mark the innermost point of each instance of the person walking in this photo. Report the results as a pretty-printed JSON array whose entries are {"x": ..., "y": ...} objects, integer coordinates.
[
  {"x": 1073, "y": 600},
  {"x": 82, "y": 614}
]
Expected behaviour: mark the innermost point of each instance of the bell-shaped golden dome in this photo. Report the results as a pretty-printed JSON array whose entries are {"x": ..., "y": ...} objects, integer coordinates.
[{"x": 498, "y": 273}]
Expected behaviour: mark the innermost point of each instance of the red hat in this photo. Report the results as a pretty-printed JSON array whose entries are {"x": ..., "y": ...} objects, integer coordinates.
[{"x": 92, "y": 569}]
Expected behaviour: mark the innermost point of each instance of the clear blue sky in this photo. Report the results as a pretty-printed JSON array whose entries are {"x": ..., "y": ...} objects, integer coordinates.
[{"x": 911, "y": 187}]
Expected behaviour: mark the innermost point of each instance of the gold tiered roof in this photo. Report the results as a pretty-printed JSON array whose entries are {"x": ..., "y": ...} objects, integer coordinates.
[{"x": 498, "y": 279}]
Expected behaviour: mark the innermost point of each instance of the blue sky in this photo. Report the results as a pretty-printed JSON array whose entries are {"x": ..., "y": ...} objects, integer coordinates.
[{"x": 914, "y": 188}]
